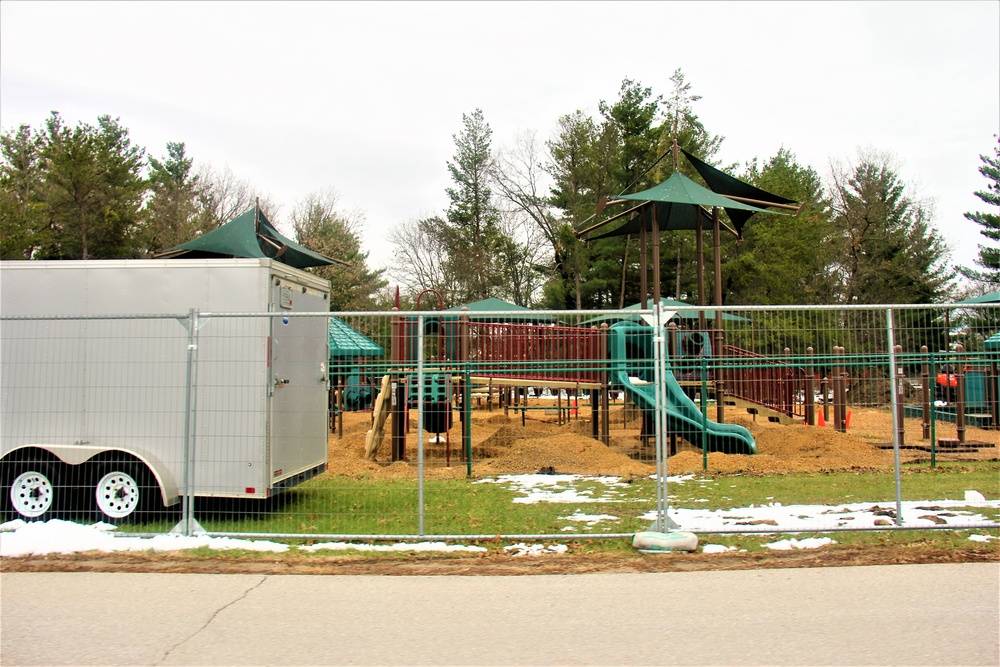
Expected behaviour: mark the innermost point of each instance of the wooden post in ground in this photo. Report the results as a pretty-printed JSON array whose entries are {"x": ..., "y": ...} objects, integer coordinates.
[
  {"x": 398, "y": 407},
  {"x": 824, "y": 389},
  {"x": 605, "y": 407},
  {"x": 838, "y": 390},
  {"x": 960, "y": 395},
  {"x": 465, "y": 391},
  {"x": 595, "y": 412},
  {"x": 900, "y": 413},
  {"x": 810, "y": 389}
]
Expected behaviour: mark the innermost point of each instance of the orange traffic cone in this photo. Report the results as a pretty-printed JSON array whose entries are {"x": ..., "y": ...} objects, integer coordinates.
[
  {"x": 820, "y": 421},
  {"x": 847, "y": 421}
]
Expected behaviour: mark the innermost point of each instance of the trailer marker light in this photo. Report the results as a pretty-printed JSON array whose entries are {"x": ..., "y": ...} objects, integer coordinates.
[{"x": 250, "y": 489}]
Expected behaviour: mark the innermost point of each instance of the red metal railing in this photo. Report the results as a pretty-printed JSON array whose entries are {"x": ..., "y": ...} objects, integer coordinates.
[
  {"x": 752, "y": 377},
  {"x": 526, "y": 351}
]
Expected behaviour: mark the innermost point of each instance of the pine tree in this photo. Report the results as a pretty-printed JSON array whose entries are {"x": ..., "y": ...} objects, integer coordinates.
[
  {"x": 472, "y": 237},
  {"x": 989, "y": 254},
  {"x": 172, "y": 212},
  {"x": 887, "y": 251}
]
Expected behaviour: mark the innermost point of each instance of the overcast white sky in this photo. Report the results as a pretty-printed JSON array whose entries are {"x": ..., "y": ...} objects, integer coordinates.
[{"x": 366, "y": 97}]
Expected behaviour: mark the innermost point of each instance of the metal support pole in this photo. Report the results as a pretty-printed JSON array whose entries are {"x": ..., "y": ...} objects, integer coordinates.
[
  {"x": 188, "y": 524},
  {"x": 420, "y": 424},
  {"x": 897, "y": 429}
]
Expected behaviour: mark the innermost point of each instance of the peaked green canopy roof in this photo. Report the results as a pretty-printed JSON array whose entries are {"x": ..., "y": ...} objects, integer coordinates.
[
  {"x": 722, "y": 183},
  {"x": 992, "y": 297},
  {"x": 666, "y": 303},
  {"x": 676, "y": 202},
  {"x": 669, "y": 216},
  {"x": 250, "y": 235},
  {"x": 679, "y": 189},
  {"x": 346, "y": 342},
  {"x": 501, "y": 305}
]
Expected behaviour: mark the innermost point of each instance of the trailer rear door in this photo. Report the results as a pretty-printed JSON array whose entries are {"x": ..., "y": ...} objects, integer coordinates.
[{"x": 299, "y": 381}]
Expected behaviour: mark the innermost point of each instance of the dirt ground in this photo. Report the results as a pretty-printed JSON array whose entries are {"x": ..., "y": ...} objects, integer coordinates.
[{"x": 501, "y": 444}]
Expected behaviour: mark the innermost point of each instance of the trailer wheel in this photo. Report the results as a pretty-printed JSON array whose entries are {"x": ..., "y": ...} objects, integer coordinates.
[
  {"x": 122, "y": 492},
  {"x": 30, "y": 490}
]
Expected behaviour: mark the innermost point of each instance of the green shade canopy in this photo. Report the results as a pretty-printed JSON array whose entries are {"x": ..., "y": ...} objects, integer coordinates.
[
  {"x": 992, "y": 297},
  {"x": 669, "y": 216},
  {"x": 992, "y": 343},
  {"x": 676, "y": 202},
  {"x": 724, "y": 184},
  {"x": 679, "y": 189},
  {"x": 666, "y": 303},
  {"x": 346, "y": 342},
  {"x": 250, "y": 235},
  {"x": 523, "y": 314}
]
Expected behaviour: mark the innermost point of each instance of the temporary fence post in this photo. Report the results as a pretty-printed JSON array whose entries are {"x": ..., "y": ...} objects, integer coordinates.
[
  {"x": 188, "y": 524},
  {"x": 658, "y": 431},
  {"x": 897, "y": 440},
  {"x": 420, "y": 424}
]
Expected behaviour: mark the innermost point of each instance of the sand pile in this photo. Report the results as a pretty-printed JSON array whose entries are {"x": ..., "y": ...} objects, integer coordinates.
[{"x": 501, "y": 444}]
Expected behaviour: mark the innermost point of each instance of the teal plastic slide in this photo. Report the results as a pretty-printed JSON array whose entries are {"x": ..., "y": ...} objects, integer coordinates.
[{"x": 630, "y": 351}]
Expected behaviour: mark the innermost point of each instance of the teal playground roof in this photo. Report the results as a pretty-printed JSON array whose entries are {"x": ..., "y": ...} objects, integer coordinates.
[
  {"x": 666, "y": 303},
  {"x": 993, "y": 343},
  {"x": 992, "y": 297},
  {"x": 346, "y": 342},
  {"x": 522, "y": 314}
]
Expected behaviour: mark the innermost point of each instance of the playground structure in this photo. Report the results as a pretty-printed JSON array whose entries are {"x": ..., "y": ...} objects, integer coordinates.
[
  {"x": 469, "y": 356},
  {"x": 966, "y": 393},
  {"x": 472, "y": 358}
]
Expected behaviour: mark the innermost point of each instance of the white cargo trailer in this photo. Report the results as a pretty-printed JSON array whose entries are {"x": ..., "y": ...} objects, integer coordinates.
[{"x": 115, "y": 413}]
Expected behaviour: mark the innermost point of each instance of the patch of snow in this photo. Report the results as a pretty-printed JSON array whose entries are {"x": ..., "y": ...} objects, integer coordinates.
[
  {"x": 399, "y": 546},
  {"x": 807, "y": 543},
  {"x": 21, "y": 538},
  {"x": 716, "y": 549},
  {"x": 974, "y": 496},
  {"x": 522, "y": 549}
]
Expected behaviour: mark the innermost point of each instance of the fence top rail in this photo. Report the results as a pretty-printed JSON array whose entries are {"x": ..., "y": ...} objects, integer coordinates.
[{"x": 482, "y": 317}]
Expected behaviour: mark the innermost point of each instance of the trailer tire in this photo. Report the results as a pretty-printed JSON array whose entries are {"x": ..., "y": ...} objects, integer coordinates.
[
  {"x": 123, "y": 493},
  {"x": 30, "y": 490}
]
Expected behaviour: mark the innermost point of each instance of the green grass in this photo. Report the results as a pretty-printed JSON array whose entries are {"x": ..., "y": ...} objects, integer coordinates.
[{"x": 338, "y": 505}]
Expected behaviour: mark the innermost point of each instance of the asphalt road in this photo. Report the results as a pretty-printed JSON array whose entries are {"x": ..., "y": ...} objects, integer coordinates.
[{"x": 895, "y": 615}]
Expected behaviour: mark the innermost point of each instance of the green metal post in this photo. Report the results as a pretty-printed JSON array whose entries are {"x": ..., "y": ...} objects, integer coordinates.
[
  {"x": 467, "y": 424},
  {"x": 704, "y": 413}
]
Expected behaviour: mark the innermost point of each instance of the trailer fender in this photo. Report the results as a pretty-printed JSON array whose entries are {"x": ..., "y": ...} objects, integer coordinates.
[{"x": 79, "y": 454}]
